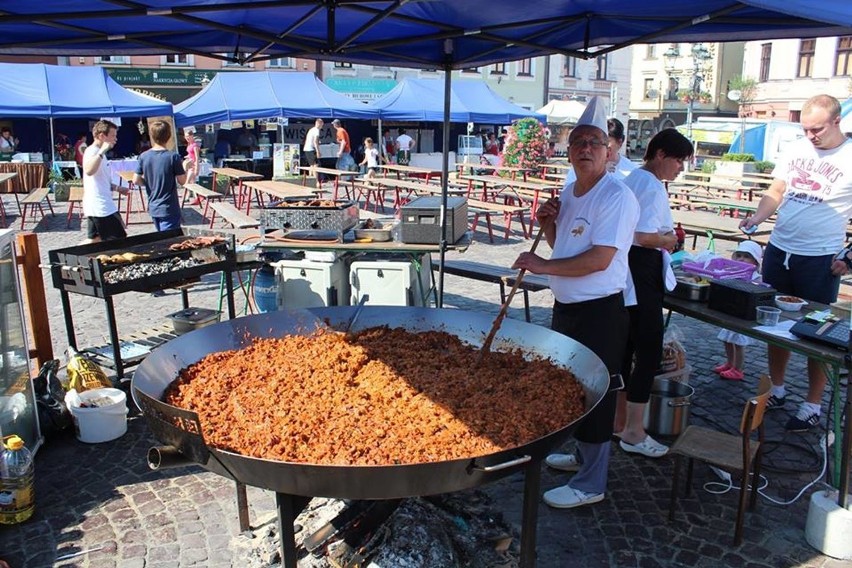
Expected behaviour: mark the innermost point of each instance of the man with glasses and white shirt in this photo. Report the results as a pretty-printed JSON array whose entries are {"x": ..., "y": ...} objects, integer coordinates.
[
  {"x": 590, "y": 229},
  {"x": 617, "y": 163}
]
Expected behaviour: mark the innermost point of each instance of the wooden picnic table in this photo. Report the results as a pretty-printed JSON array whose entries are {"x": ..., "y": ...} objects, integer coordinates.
[
  {"x": 372, "y": 189},
  {"x": 429, "y": 173},
  {"x": 714, "y": 226},
  {"x": 5, "y": 178},
  {"x": 521, "y": 190},
  {"x": 128, "y": 176},
  {"x": 514, "y": 170},
  {"x": 277, "y": 189},
  {"x": 731, "y": 205},
  {"x": 306, "y": 170},
  {"x": 234, "y": 174},
  {"x": 75, "y": 196}
]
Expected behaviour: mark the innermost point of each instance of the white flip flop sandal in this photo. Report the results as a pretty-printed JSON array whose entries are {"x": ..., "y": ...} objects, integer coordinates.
[{"x": 648, "y": 447}]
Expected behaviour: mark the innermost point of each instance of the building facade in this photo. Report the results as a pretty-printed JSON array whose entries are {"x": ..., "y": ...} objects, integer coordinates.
[
  {"x": 789, "y": 71},
  {"x": 606, "y": 76},
  {"x": 669, "y": 82}
]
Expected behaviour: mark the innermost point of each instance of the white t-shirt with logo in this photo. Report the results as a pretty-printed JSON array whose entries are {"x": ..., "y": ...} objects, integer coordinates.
[
  {"x": 605, "y": 216},
  {"x": 404, "y": 141},
  {"x": 97, "y": 188},
  {"x": 312, "y": 140},
  {"x": 654, "y": 211},
  {"x": 817, "y": 201}
]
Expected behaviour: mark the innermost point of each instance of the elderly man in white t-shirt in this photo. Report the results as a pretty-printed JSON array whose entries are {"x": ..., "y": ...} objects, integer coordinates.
[
  {"x": 590, "y": 229},
  {"x": 812, "y": 195},
  {"x": 104, "y": 221}
]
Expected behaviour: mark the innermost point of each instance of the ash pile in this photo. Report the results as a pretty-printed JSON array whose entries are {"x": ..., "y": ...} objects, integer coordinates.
[{"x": 444, "y": 531}]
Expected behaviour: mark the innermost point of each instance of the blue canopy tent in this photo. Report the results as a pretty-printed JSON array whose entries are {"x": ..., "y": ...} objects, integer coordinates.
[
  {"x": 470, "y": 101},
  {"x": 436, "y": 34},
  {"x": 264, "y": 94},
  {"x": 52, "y": 91}
]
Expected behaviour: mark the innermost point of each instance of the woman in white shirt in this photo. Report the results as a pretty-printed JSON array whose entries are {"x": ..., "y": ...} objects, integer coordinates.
[{"x": 663, "y": 160}]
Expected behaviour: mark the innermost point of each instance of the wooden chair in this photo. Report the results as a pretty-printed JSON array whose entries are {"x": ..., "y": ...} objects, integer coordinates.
[{"x": 729, "y": 452}]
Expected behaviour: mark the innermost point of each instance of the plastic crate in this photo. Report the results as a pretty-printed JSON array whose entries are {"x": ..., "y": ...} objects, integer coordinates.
[{"x": 721, "y": 269}]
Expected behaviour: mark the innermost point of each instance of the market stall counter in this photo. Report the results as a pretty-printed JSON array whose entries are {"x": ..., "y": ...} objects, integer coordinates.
[
  {"x": 831, "y": 357},
  {"x": 28, "y": 176}
]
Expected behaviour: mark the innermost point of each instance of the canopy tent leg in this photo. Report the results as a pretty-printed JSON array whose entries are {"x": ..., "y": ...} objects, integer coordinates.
[
  {"x": 52, "y": 143},
  {"x": 445, "y": 166}
]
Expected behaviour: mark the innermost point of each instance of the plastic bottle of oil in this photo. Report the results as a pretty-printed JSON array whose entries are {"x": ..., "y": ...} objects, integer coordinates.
[{"x": 16, "y": 482}]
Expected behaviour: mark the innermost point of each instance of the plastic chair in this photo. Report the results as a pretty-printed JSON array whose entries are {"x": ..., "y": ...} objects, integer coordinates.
[{"x": 727, "y": 451}]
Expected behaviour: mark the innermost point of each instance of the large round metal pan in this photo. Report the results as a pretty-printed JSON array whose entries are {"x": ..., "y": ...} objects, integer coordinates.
[{"x": 174, "y": 426}]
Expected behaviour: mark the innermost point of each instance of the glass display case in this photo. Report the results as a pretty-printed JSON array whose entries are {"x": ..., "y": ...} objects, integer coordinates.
[{"x": 17, "y": 400}]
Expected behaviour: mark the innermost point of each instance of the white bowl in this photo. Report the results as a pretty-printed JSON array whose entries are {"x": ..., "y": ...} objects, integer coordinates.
[{"x": 788, "y": 306}]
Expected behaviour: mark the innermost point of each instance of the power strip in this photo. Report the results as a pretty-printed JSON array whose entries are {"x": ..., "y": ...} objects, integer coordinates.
[{"x": 721, "y": 474}]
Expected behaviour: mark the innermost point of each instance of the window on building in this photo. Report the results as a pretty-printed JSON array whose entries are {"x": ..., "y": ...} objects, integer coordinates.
[
  {"x": 113, "y": 59},
  {"x": 525, "y": 67},
  {"x": 647, "y": 89},
  {"x": 601, "y": 61},
  {"x": 843, "y": 63},
  {"x": 177, "y": 59},
  {"x": 342, "y": 65},
  {"x": 282, "y": 63},
  {"x": 795, "y": 115},
  {"x": 765, "y": 58},
  {"x": 671, "y": 92},
  {"x": 650, "y": 51},
  {"x": 570, "y": 66},
  {"x": 471, "y": 70},
  {"x": 241, "y": 57},
  {"x": 806, "y": 58},
  {"x": 499, "y": 69}
]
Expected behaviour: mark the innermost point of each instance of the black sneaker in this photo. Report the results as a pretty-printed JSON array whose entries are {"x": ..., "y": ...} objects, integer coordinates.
[
  {"x": 800, "y": 423},
  {"x": 775, "y": 402}
]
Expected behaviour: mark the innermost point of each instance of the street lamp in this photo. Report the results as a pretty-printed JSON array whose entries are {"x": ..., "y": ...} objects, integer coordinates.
[{"x": 700, "y": 54}]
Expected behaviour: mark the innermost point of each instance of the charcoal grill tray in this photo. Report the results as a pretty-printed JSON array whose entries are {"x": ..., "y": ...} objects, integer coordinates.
[{"x": 86, "y": 274}]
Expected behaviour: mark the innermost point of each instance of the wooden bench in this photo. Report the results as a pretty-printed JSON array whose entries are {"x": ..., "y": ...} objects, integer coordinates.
[
  {"x": 232, "y": 215},
  {"x": 497, "y": 275},
  {"x": 32, "y": 200},
  {"x": 487, "y": 208},
  {"x": 201, "y": 193}
]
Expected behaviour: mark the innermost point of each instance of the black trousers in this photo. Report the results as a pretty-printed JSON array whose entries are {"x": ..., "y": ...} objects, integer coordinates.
[
  {"x": 645, "y": 340},
  {"x": 600, "y": 325}
]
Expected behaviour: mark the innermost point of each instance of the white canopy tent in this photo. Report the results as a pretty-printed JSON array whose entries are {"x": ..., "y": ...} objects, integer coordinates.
[{"x": 562, "y": 112}]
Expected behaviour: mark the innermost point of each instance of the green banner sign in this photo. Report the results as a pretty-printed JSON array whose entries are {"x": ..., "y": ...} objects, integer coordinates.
[
  {"x": 150, "y": 77},
  {"x": 361, "y": 89}
]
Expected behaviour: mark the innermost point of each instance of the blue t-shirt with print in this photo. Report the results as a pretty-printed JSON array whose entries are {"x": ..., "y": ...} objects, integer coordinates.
[{"x": 159, "y": 168}]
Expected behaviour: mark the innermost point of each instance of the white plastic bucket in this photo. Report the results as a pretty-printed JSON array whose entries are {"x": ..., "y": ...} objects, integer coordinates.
[{"x": 101, "y": 423}]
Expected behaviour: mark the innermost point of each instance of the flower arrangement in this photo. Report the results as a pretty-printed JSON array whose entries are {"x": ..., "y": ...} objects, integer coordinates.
[
  {"x": 64, "y": 148},
  {"x": 685, "y": 96},
  {"x": 526, "y": 143}
]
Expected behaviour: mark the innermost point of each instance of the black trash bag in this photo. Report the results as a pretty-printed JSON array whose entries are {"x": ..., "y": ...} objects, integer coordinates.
[{"x": 53, "y": 416}]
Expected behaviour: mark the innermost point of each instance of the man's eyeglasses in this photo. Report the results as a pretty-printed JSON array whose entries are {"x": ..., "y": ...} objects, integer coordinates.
[{"x": 594, "y": 143}]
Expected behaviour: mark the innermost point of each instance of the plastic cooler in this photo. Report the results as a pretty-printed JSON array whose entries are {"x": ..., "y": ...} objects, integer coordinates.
[
  {"x": 391, "y": 281},
  {"x": 309, "y": 284},
  {"x": 720, "y": 269}
]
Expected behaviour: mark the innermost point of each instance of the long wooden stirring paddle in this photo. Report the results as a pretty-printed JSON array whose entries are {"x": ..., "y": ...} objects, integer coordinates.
[{"x": 498, "y": 321}]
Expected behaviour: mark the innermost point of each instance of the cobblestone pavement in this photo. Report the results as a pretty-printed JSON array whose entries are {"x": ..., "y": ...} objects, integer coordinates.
[{"x": 102, "y": 501}]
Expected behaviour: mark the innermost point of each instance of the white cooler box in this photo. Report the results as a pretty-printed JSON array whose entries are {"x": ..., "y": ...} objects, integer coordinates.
[
  {"x": 391, "y": 281},
  {"x": 310, "y": 284}
]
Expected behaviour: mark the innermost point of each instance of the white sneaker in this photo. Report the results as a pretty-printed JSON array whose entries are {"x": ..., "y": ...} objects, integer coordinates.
[
  {"x": 563, "y": 462},
  {"x": 566, "y": 497}
]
